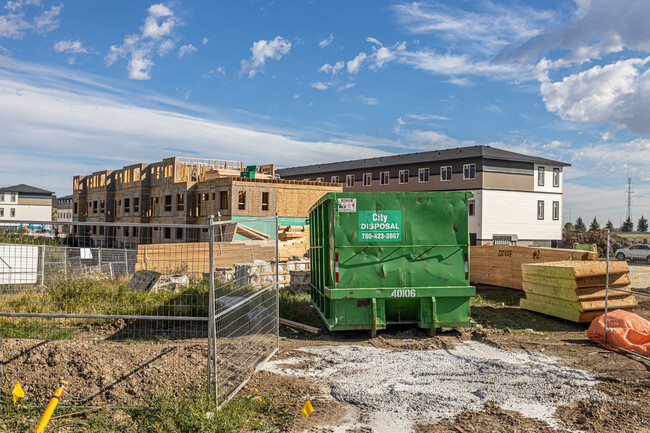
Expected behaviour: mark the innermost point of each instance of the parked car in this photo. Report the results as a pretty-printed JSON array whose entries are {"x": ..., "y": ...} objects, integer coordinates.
[{"x": 635, "y": 252}]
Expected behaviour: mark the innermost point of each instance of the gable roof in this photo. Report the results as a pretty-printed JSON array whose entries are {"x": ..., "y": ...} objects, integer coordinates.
[
  {"x": 25, "y": 189},
  {"x": 485, "y": 152}
]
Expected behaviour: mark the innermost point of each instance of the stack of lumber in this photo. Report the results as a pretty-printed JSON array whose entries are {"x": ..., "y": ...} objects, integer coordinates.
[
  {"x": 574, "y": 290},
  {"x": 294, "y": 241},
  {"x": 499, "y": 265},
  {"x": 251, "y": 233}
]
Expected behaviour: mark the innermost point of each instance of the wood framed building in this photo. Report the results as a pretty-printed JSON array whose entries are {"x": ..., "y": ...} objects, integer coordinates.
[
  {"x": 181, "y": 190},
  {"x": 516, "y": 196}
]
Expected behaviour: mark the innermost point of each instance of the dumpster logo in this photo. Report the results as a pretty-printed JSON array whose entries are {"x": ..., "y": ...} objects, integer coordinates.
[{"x": 380, "y": 225}]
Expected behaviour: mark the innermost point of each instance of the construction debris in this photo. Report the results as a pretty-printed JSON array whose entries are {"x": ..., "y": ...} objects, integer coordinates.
[
  {"x": 299, "y": 325},
  {"x": 499, "y": 265},
  {"x": 575, "y": 291}
]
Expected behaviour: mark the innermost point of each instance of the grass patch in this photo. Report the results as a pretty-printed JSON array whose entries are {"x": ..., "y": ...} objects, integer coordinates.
[
  {"x": 495, "y": 300},
  {"x": 297, "y": 307},
  {"x": 31, "y": 328},
  {"x": 172, "y": 413}
]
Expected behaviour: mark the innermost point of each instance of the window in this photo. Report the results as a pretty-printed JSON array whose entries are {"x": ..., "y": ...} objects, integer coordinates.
[
  {"x": 445, "y": 173},
  {"x": 206, "y": 197},
  {"x": 169, "y": 170},
  {"x": 168, "y": 232},
  {"x": 556, "y": 210},
  {"x": 367, "y": 179},
  {"x": 540, "y": 176},
  {"x": 94, "y": 230},
  {"x": 127, "y": 176},
  {"x": 320, "y": 179},
  {"x": 383, "y": 177},
  {"x": 242, "y": 200},
  {"x": 126, "y": 232},
  {"x": 403, "y": 176},
  {"x": 101, "y": 230},
  {"x": 135, "y": 232},
  {"x": 13, "y": 197},
  {"x": 136, "y": 174},
  {"x": 2, "y": 211},
  {"x": 180, "y": 202},
  {"x": 469, "y": 171},
  {"x": 471, "y": 207},
  {"x": 214, "y": 195},
  {"x": 265, "y": 201},
  {"x": 127, "y": 205},
  {"x": 334, "y": 179},
  {"x": 136, "y": 204},
  {"x": 95, "y": 206},
  {"x": 179, "y": 233},
  {"x": 75, "y": 205},
  {"x": 556, "y": 177},
  {"x": 423, "y": 175},
  {"x": 12, "y": 212},
  {"x": 102, "y": 206},
  {"x": 540, "y": 209},
  {"x": 2, "y": 196},
  {"x": 168, "y": 203},
  {"x": 223, "y": 200},
  {"x": 349, "y": 180}
]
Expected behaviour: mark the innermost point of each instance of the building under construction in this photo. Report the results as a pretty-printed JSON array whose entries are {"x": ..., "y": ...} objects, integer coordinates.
[{"x": 181, "y": 190}]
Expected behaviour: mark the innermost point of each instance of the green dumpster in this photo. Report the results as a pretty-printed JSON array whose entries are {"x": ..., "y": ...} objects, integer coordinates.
[{"x": 386, "y": 258}]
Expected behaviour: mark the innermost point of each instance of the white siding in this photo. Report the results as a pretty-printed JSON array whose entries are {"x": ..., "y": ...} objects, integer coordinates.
[
  {"x": 548, "y": 179},
  {"x": 515, "y": 212},
  {"x": 26, "y": 212}
]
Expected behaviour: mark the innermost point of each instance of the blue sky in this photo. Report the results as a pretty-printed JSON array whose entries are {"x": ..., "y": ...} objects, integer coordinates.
[{"x": 92, "y": 85}]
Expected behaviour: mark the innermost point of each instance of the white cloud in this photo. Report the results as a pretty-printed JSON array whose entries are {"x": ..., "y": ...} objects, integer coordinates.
[
  {"x": 186, "y": 49},
  {"x": 431, "y": 140},
  {"x": 15, "y": 23},
  {"x": 334, "y": 69},
  {"x": 214, "y": 72},
  {"x": 56, "y": 127},
  {"x": 263, "y": 50},
  {"x": 347, "y": 86},
  {"x": 615, "y": 93},
  {"x": 354, "y": 65},
  {"x": 325, "y": 42},
  {"x": 154, "y": 29},
  {"x": 205, "y": 41},
  {"x": 69, "y": 46},
  {"x": 156, "y": 37},
  {"x": 486, "y": 31},
  {"x": 596, "y": 29},
  {"x": 367, "y": 100},
  {"x": 320, "y": 86},
  {"x": 296, "y": 96},
  {"x": 48, "y": 20}
]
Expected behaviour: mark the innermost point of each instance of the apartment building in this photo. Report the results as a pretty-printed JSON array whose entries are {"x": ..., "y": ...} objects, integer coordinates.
[
  {"x": 25, "y": 203},
  {"x": 64, "y": 208},
  {"x": 181, "y": 190},
  {"x": 517, "y": 197}
]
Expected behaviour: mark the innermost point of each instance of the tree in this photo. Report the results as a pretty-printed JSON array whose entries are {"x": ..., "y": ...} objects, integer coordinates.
[
  {"x": 594, "y": 225},
  {"x": 609, "y": 226},
  {"x": 628, "y": 225},
  {"x": 580, "y": 225},
  {"x": 569, "y": 227},
  {"x": 642, "y": 226}
]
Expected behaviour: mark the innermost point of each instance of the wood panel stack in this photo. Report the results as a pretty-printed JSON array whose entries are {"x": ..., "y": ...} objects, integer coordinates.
[
  {"x": 294, "y": 241},
  {"x": 574, "y": 290},
  {"x": 498, "y": 265}
]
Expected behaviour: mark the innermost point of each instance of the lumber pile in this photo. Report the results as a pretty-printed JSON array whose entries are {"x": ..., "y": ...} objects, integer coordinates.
[
  {"x": 500, "y": 265},
  {"x": 294, "y": 241},
  {"x": 575, "y": 290}
]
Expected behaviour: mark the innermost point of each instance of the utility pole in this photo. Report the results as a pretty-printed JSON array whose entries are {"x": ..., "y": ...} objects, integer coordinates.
[{"x": 628, "y": 192}]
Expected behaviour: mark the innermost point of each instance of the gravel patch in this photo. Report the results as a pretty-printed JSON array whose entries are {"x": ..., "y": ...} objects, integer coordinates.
[{"x": 397, "y": 388}]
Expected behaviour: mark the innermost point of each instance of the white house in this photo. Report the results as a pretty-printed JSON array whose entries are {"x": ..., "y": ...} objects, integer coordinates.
[{"x": 25, "y": 203}]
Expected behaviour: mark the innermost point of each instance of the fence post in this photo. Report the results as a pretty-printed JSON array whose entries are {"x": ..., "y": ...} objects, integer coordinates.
[
  {"x": 65, "y": 259},
  {"x": 126, "y": 262},
  {"x": 277, "y": 282},
  {"x": 99, "y": 255},
  {"x": 211, "y": 314},
  {"x": 43, "y": 265},
  {"x": 606, "y": 289}
]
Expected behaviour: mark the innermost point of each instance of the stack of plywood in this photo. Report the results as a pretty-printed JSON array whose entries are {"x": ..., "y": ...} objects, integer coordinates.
[
  {"x": 294, "y": 241},
  {"x": 498, "y": 265},
  {"x": 575, "y": 290}
]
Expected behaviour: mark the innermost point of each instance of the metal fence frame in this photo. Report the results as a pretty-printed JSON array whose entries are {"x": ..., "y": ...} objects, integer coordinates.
[
  {"x": 607, "y": 289},
  {"x": 269, "y": 293}
]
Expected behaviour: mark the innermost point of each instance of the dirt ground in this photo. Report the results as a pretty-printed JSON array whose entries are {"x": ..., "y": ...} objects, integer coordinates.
[{"x": 624, "y": 379}]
